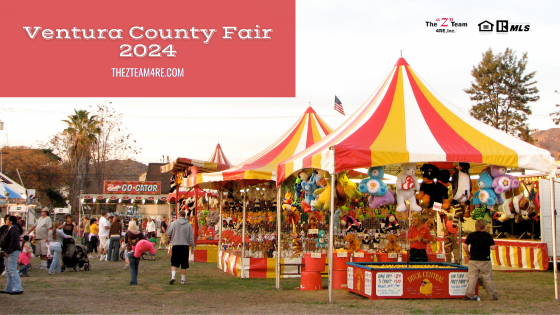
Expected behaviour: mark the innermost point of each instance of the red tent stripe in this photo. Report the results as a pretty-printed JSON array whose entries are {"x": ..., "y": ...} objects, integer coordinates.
[
  {"x": 455, "y": 147},
  {"x": 346, "y": 151},
  {"x": 355, "y": 118},
  {"x": 309, "y": 137}
]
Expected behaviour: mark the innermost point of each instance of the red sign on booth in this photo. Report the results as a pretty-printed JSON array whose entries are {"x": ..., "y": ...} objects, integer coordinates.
[{"x": 131, "y": 188}]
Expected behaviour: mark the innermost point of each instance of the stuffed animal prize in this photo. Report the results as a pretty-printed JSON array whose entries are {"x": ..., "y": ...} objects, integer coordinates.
[
  {"x": 485, "y": 195},
  {"x": 407, "y": 185}
]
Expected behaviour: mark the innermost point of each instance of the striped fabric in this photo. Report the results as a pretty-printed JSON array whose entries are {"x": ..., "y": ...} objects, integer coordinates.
[
  {"x": 517, "y": 254},
  {"x": 219, "y": 157},
  {"x": 405, "y": 120},
  {"x": 204, "y": 166},
  {"x": 308, "y": 129}
]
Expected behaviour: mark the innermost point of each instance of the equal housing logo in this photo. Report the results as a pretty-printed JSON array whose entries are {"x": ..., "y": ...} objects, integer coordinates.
[{"x": 503, "y": 27}]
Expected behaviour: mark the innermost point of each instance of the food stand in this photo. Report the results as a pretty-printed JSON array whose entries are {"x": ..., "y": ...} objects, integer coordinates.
[{"x": 405, "y": 121}]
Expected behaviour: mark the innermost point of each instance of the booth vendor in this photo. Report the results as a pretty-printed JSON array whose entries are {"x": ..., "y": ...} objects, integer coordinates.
[{"x": 418, "y": 237}]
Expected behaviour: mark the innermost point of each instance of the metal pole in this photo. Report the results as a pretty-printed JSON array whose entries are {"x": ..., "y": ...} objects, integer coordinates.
[
  {"x": 331, "y": 231},
  {"x": 243, "y": 232},
  {"x": 278, "y": 237},
  {"x": 553, "y": 227},
  {"x": 221, "y": 226},
  {"x": 460, "y": 239}
]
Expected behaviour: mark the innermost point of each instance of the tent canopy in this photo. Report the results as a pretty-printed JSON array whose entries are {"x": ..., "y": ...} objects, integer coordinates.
[
  {"x": 12, "y": 194},
  {"x": 308, "y": 129},
  {"x": 405, "y": 120},
  {"x": 219, "y": 157}
]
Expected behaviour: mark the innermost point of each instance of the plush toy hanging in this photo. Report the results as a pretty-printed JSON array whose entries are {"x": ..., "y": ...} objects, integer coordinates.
[
  {"x": 309, "y": 187},
  {"x": 350, "y": 188},
  {"x": 485, "y": 195},
  {"x": 461, "y": 190},
  {"x": 428, "y": 186},
  {"x": 379, "y": 194},
  {"x": 502, "y": 181},
  {"x": 407, "y": 185},
  {"x": 323, "y": 200},
  {"x": 441, "y": 193},
  {"x": 336, "y": 219}
]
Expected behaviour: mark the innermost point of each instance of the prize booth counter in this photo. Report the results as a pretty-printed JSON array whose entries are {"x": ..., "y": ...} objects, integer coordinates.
[{"x": 407, "y": 281}]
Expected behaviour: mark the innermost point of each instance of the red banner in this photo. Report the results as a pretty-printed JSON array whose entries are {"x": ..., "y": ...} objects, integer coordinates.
[
  {"x": 131, "y": 188},
  {"x": 170, "y": 48}
]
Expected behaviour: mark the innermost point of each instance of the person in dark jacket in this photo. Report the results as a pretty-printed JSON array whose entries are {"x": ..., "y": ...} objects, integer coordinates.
[
  {"x": 10, "y": 244},
  {"x": 3, "y": 229}
]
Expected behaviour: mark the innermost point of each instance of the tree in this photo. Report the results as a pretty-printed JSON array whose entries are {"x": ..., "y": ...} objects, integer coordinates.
[
  {"x": 39, "y": 169},
  {"x": 556, "y": 114},
  {"x": 113, "y": 143},
  {"x": 502, "y": 92},
  {"x": 75, "y": 145}
]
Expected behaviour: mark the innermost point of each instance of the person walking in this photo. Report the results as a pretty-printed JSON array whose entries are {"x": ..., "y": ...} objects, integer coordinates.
[
  {"x": 55, "y": 238},
  {"x": 10, "y": 244},
  {"x": 3, "y": 229},
  {"x": 132, "y": 236},
  {"x": 69, "y": 227},
  {"x": 151, "y": 228},
  {"x": 163, "y": 239},
  {"x": 115, "y": 233},
  {"x": 93, "y": 240},
  {"x": 478, "y": 257},
  {"x": 182, "y": 237},
  {"x": 41, "y": 228},
  {"x": 104, "y": 227},
  {"x": 84, "y": 227},
  {"x": 24, "y": 257}
]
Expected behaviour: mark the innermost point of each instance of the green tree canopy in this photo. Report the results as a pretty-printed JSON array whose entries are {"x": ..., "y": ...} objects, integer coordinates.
[{"x": 502, "y": 92}]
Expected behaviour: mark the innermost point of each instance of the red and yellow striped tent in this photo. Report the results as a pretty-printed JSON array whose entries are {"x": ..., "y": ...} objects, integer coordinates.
[
  {"x": 405, "y": 120},
  {"x": 219, "y": 157},
  {"x": 308, "y": 129}
]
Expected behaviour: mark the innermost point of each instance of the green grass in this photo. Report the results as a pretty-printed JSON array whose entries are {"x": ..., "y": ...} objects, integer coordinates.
[{"x": 105, "y": 290}]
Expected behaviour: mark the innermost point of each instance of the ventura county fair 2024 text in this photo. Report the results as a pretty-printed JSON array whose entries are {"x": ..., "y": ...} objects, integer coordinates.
[{"x": 138, "y": 33}]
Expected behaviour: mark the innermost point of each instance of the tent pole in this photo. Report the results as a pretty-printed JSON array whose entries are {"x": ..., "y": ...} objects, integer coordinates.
[
  {"x": 553, "y": 227},
  {"x": 331, "y": 229},
  {"x": 242, "y": 273},
  {"x": 221, "y": 226},
  {"x": 278, "y": 237}
]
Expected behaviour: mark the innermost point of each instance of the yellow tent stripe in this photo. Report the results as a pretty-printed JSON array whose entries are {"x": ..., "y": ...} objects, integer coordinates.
[
  {"x": 492, "y": 151},
  {"x": 314, "y": 130},
  {"x": 390, "y": 144}
]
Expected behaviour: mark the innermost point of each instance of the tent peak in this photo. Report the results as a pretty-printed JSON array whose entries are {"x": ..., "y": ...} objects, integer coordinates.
[
  {"x": 310, "y": 110},
  {"x": 401, "y": 62}
]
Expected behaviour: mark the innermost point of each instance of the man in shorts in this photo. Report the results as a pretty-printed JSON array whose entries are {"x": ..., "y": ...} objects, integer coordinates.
[
  {"x": 42, "y": 228},
  {"x": 104, "y": 226},
  {"x": 182, "y": 236}
]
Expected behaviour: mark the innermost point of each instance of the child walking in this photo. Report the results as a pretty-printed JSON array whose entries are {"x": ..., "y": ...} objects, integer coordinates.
[
  {"x": 25, "y": 256},
  {"x": 478, "y": 256}
]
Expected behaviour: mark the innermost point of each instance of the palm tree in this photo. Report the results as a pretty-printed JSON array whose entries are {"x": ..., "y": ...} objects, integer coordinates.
[{"x": 81, "y": 135}]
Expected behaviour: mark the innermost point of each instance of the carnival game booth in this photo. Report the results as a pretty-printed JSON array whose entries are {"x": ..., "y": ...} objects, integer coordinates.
[
  {"x": 249, "y": 204},
  {"x": 200, "y": 205},
  {"x": 403, "y": 125}
]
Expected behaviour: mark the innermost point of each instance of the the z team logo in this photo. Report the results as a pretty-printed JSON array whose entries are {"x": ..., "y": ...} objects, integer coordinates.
[
  {"x": 445, "y": 25},
  {"x": 503, "y": 27}
]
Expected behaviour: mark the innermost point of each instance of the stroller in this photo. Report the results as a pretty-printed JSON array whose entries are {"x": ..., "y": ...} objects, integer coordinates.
[{"x": 74, "y": 256}]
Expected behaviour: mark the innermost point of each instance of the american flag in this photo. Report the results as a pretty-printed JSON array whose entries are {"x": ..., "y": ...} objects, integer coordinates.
[{"x": 338, "y": 106}]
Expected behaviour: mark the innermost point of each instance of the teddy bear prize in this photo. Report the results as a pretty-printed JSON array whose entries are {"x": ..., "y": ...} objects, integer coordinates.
[{"x": 260, "y": 221}]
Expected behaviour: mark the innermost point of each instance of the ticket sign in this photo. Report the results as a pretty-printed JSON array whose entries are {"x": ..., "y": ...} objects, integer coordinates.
[{"x": 132, "y": 188}]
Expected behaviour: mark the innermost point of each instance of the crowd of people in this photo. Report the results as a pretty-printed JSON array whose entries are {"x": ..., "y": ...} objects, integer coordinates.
[{"x": 100, "y": 238}]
